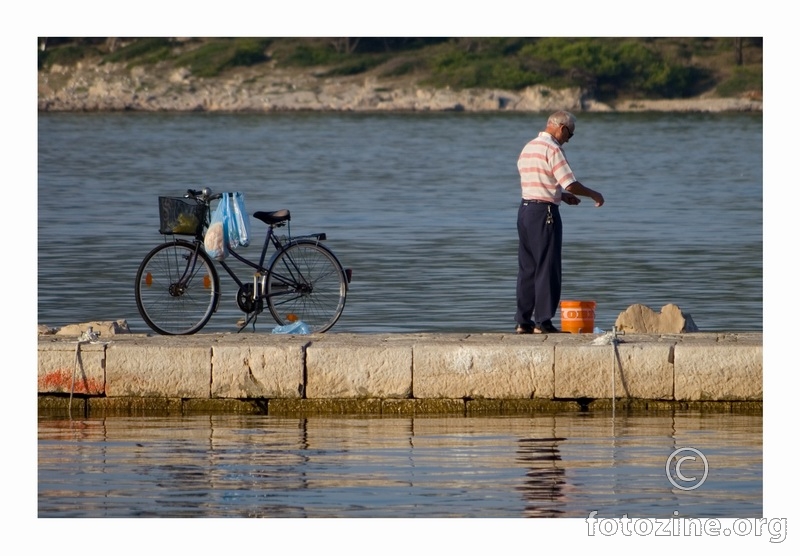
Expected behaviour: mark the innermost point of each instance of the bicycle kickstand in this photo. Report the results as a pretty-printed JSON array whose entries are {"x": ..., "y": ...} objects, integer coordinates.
[{"x": 251, "y": 317}]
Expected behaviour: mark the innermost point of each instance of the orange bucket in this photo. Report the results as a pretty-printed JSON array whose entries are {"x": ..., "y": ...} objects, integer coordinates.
[{"x": 577, "y": 316}]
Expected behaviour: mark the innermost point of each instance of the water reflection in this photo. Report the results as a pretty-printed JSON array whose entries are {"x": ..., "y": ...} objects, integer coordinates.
[
  {"x": 545, "y": 478},
  {"x": 256, "y": 466}
]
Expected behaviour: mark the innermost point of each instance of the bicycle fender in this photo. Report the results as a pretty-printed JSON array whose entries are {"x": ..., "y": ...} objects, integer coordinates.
[
  {"x": 307, "y": 239},
  {"x": 322, "y": 236}
]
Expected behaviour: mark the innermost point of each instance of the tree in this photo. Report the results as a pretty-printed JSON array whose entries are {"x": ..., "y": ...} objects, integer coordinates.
[{"x": 737, "y": 51}]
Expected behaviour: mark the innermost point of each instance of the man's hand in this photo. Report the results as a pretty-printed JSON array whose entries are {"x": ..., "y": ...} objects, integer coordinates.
[{"x": 577, "y": 188}]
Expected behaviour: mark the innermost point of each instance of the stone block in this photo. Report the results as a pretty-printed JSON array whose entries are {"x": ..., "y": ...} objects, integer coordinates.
[
  {"x": 130, "y": 405},
  {"x": 255, "y": 370},
  {"x": 53, "y": 406},
  {"x": 319, "y": 406},
  {"x": 158, "y": 370},
  {"x": 518, "y": 406},
  {"x": 358, "y": 369},
  {"x": 640, "y": 371},
  {"x": 428, "y": 406},
  {"x": 490, "y": 369},
  {"x": 724, "y": 371},
  {"x": 62, "y": 367},
  {"x": 225, "y": 406}
]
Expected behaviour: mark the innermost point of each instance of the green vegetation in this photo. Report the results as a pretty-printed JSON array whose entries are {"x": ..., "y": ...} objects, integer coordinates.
[
  {"x": 141, "y": 52},
  {"x": 606, "y": 67},
  {"x": 212, "y": 58},
  {"x": 66, "y": 55},
  {"x": 742, "y": 80}
]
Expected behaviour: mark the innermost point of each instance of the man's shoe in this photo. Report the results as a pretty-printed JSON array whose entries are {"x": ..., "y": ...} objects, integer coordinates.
[
  {"x": 546, "y": 329},
  {"x": 524, "y": 329}
]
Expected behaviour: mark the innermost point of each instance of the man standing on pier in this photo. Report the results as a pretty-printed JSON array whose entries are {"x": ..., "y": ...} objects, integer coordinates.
[{"x": 547, "y": 180}]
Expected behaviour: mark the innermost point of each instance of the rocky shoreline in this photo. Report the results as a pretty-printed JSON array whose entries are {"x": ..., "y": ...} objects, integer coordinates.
[{"x": 111, "y": 88}]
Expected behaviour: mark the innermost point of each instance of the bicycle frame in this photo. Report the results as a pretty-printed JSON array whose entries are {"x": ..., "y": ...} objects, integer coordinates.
[{"x": 259, "y": 291}]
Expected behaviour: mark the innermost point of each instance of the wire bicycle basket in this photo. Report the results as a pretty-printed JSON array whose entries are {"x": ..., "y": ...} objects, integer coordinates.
[{"x": 180, "y": 216}]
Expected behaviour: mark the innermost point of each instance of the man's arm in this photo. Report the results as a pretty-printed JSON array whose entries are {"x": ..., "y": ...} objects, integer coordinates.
[{"x": 577, "y": 188}]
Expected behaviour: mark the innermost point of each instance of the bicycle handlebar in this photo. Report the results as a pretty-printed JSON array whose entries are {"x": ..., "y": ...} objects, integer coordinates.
[{"x": 205, "y": 195}]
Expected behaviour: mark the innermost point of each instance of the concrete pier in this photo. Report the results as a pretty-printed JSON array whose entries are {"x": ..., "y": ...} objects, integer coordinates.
[{"x": 398, "y": 373}]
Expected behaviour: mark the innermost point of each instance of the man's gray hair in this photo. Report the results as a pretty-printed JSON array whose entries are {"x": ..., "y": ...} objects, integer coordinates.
[{"x": 562, "y": 117}]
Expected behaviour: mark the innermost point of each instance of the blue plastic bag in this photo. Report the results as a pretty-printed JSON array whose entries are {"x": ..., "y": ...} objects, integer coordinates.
[
  {"x": 238, "y": 220},
  {"x": 297, "y": 327},
  {"x": 229, "y": 228}
]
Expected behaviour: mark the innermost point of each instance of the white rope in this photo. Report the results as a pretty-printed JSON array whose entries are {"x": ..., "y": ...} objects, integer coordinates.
[
  {"x": 88, "y": 336},
  {"x": 612, "y": 339},
  {"x": 615, "y": 343}
]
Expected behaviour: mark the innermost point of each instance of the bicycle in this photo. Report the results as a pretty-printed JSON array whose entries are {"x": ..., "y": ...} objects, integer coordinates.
[{"x": 178, "y": 286}]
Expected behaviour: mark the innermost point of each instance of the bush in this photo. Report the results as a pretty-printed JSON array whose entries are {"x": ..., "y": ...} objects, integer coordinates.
[
  {"x": 358, "y": 65},
  {"x": 248, "y": 52},
  {"x": 483, "y": 66},
  {"x": 611, "y": 67},
  {"x": 142, "y": 51},
  {"x": 213, "y": 57},
  {"x": 743, "y": 79},
  {"x": 404, "y": 67},
  {"x": 311, "y": 55},
  {"x": 66, "y": 55}
]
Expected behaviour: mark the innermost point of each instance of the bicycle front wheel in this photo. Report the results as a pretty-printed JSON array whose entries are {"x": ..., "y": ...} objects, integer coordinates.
[
  {"x": 306, "y": 283},
  {"x": 177, "y": 288}
]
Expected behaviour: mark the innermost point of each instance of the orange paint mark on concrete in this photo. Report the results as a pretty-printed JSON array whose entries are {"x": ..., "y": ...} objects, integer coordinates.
[{"x": 60, "y": 380}]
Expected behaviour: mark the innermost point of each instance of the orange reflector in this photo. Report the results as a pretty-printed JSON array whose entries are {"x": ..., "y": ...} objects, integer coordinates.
[
  {"x": 148, "y": 279},
  {"x": 207, "y": 281},
  {"x": 291, "y": 317}
]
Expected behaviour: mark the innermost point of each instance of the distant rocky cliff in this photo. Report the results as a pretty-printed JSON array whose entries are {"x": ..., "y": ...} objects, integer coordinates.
[{"x": 110, "y": 87}]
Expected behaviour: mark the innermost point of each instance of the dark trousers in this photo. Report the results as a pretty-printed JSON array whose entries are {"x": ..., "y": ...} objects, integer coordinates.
[{"x": 539, "y": 277}]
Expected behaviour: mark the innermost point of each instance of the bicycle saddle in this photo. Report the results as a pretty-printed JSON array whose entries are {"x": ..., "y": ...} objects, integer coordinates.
[{"x": 273, "y": 218}]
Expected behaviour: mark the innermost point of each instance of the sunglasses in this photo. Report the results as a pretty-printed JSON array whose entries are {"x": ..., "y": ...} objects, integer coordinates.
[{"x": 568, "y": 131}]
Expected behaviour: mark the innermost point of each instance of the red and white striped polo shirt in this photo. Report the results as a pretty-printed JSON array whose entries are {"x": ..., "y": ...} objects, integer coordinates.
[{"x": 543, "y": 169}]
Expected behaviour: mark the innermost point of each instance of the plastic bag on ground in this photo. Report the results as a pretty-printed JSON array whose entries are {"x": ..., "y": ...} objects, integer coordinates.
[{"x": 297, "y": 327}]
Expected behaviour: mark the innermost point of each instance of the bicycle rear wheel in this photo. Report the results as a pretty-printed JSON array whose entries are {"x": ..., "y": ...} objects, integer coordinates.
[
  {"x": 177, "y": 288},
  {"x": 306, "y": 283}
]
